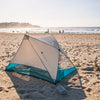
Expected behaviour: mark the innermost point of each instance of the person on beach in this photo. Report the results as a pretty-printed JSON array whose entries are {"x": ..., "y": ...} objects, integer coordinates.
[
  {"x": 62, "y": 31},
  {"x": 59, "y": 31},
  {"x": 48, "y": 30}
]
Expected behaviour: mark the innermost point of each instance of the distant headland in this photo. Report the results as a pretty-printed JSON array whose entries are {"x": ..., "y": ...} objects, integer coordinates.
[{"x": 17, "y": 25}]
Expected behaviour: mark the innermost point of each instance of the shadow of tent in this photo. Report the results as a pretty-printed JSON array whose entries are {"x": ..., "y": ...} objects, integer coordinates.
[{"x": 30, "y": 88}]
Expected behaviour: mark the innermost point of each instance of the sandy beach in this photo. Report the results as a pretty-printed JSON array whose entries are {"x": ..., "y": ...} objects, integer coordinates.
[{"x": 83, "y": 50}]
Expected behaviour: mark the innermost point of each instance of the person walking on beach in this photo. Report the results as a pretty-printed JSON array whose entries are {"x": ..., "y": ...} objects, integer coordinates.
[
  {"x": 59, "y": 31},
  {"x": 62, "y": 31},
  {"x": 48, "y": 30}
]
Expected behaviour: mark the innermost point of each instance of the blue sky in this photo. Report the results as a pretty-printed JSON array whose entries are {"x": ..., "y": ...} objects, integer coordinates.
[{"x": 53, "y": 13}]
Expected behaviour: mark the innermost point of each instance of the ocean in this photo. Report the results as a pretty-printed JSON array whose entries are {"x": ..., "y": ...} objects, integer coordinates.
[{"x": 78, "y": 30}]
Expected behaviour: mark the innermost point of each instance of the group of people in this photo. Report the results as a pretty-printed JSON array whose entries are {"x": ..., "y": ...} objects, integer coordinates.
[{"x": 59, "y": 31}]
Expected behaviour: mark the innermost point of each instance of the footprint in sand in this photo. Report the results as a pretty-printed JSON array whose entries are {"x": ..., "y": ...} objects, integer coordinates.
[
  {"x": 74, "y": 79},
  {"x": 78, "y": 86},
  {"x": 96, "y": 82},
  {"x": 83, "y": 87},
  {"x": 97, "y": 75},
  {"x": 10, "y": 87},
  {"x": 6, "y": 91},
  {"x": 73, "y": 83},
  {"x": 1, "y": 88},
  {"x": 89, "y": 90}
]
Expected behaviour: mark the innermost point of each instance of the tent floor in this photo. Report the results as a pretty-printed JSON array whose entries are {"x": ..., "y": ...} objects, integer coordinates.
[{"x": 39, "y": 73}]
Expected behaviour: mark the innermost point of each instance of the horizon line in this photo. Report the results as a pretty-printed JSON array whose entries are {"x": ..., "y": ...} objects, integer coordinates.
[{"x": 45, "y": 25}]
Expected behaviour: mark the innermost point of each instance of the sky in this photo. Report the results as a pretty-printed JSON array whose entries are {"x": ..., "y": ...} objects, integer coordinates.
[{"x": 52, "y": 13}]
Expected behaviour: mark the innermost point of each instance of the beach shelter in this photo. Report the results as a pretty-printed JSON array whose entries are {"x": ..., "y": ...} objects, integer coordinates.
[{"x": 41, "y": 57}]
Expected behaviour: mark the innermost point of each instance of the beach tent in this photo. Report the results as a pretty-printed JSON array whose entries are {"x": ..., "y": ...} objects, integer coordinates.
[{"x": 41, "y": 57}]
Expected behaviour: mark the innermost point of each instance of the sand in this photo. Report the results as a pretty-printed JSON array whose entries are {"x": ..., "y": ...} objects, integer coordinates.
[{"x": 83, "y": 50}]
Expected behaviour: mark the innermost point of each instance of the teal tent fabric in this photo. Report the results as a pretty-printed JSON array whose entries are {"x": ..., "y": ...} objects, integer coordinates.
[
  {"x": 10, "y": 66},
  {"x": 63, "y": 72},
  {"x": 39, "y": 73},
  {"x": 31, "y": 71}
]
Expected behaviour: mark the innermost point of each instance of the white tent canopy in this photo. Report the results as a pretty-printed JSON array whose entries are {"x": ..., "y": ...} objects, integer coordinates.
[{"x": 42, "y": 53}]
